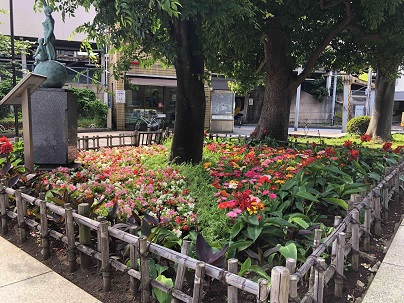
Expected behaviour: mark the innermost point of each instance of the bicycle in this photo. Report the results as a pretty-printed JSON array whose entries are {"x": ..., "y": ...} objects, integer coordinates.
[{"x": 155, "y": 122}]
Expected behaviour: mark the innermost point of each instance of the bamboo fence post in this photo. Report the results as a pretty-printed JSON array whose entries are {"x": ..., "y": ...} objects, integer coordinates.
[
  {"x": 23, "y": 203},
  {"x": 397, "y": 187},
  {"x": 134, "y": 250},
  {"x": 6, "y": 200},
  {"x": 378, "y": 220},
  {"x": 337, "y": 222},
  {"x": 105, "y": 266},
  {"x": 84, "y": 235},
  {"x": 385, "y": 202},
  {"x": 98, "y": 141},
  {"x": 232, "y": 293},
  {"x": 293, "y": 296},
  {"x": 3, "y": 208},
  {"x": 351, "y": 204},
  {"x": 20, "y": 213},
  {"x": 368, "y": 219},
  {"x": 145, "y": 281},
  {"x": 319, "y": 280},
  {"x": 280, "y": 277},
  {"x": 99, "y": 265},
  {"x": 71, "y": 242},
  {"x": 198, "y": 282},
  {"x": 263, "y": 291},
  {"x": 44, "y": 228},
  {"x": 340, "y": 258},
  {"x": 316, "y": 243},
  {"x": 355, "y": 240},
  {"x": 179, "y": 279},
  {"x": 291, "y": 265},
  {"x": 85, "y": 143},
  {"x": 136, "y": 137}
]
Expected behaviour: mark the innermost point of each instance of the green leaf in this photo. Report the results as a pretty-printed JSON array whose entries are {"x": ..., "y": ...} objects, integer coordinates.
[
  {"x": 253, "y": 220},
  {"x": 245, "y": 267},
  {"x": 261, "y": 272},
  {"x": 289, "y": 250},
  {"x": 278, "y": 221},
  {"x": 307, "y": 196},
  {"x": 161, "y": 296},
  {"x": 299, "y": 221},
  {"x": 254, "y": 232},
  {"x": 289, "y": 184},
  {"x": 236, "y": 229},
  {"x": 338, "y": 202},
  {"x": 240, "y": 245}
]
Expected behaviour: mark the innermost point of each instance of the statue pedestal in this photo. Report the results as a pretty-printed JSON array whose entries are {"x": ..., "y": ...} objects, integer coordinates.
[{"x": 54, "y": 126}]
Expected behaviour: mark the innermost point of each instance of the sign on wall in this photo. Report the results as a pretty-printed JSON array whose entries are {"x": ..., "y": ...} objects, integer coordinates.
[{"x": 120, "y": 96}]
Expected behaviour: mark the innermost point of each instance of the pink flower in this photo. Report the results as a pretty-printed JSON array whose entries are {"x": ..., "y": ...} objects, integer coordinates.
[
  {"x": 265, "y": 192},
  {"x": 272, "y": 196}
]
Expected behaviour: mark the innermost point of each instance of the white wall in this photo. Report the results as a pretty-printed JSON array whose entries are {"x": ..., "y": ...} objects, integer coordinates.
[{"x": 28, "y": 23}]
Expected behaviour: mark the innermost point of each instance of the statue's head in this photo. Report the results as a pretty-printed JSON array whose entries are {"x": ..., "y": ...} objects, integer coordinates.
[{"x": 47, "y": 10}]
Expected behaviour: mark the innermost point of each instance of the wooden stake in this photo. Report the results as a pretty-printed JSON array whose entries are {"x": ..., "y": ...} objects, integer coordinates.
[
  {"x": 385, "y": 202},
  {"x": 319, "y": 281},
  {"x": 134, "y": 256},
  {"x": 337, "y": 222},
  {"x": 280, "y": 277},
  {"x": 294, "y": 297},
  {"x": 105, "y": 266},
  {"x": 316, "y": 243},
  {"x": 198, "y": 282},
  {"x": 397, "y": 188},
  {"x": 232, "y": 292},
  {"x": 71, "y": 241},
  {"x": 145, "y": 282},
  {"x": 377, "y": 212},
  {"x": 368, "y": 218},
  {"x": 340, "y": 260},
  {"x": 179, "y": 279},
  {"x": 355, "y": 240},
  {"x": 44, "y": 228},
  {"x": 291, "y": 265},
  {"x": 3, "y": 208},
  {"x": 84, "y": 235},
  {"x": 99, "y": 265},
  {"x": 21, "y": 217}
]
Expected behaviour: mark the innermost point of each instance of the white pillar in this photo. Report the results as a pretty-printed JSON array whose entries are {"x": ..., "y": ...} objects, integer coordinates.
[
  {"x": 334, "y": 97},
  {"x": 328, "y": 83},
  {"x": 368, "y": 93},
  {"x": 24, "y": 62},
  {"x": 347, "y": 88},
  {"x": 297, "y": 108}
]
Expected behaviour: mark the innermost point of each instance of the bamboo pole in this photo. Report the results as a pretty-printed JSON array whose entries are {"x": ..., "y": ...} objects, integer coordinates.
[
  {"x": 6, "y": 200},
  {"x": 145, "y": 282},
  {"x": 20, "y": 213},
  {"x": 105, "y": 266},
  {"x": 71, "y": 245},
  {"x": 85, "y": 143},
  {"x": 44, "y": 228},
  {"x": 84, "y": 235},
  {"x": 377, "y": 212},
  {"x": 319, "y": 281},
  {"x": 133, "y": 253},
  {"x": 351, "y": 204},
  {"x": 367, "y": 222},
  {"x": 397, "y": 187},
  {"x": 23, "y": 202},
  {"x": 291, "y": 265},
  {"x": 293, "y": 296},
  {"x": 99, "y": 219},
  {"x": 340, "y": 260},
  {"x": 232, "y": 292},
  {"x": 337, "y": 221},
  {"x": 280, "y": 277},
  {"x": 198, "y": 282},
  {"x": 385, "y": 202},
  {"x": 316, "y": 243},
  {"x": 3, "y": 208},
  {"x": 355, "y": 240},
  {"x": 179, "y": 279}
]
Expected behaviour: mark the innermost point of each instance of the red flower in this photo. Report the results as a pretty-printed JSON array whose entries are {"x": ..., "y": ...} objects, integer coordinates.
[
  {"x": 313, "y": 145},
  {"x": 348, "y": 144},
  {"x": 387, "y": 146},
  {"x": 5, "y": 146},
  {"x": 365, "y": 138},
  {"x": 354, "y": 153},
  {"x": 330, "y": 151},
  {"x": 398, "y": 149}
]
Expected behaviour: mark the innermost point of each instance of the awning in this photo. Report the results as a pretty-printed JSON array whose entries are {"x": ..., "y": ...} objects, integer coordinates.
[{"x": 153, "y": 81}]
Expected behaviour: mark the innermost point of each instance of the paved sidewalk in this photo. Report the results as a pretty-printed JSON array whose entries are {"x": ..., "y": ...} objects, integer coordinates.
[
  {"x": 23, "y": 279},
  {"x": 387, "y": 285}
]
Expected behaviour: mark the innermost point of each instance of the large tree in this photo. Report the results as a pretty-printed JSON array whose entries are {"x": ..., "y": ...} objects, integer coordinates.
[
  {"x": 282, "y": 36},
  {"x": 168, "y": 31}
]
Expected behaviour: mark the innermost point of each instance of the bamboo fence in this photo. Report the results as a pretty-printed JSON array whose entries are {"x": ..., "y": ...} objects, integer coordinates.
[{"x": 344, "y": 242}]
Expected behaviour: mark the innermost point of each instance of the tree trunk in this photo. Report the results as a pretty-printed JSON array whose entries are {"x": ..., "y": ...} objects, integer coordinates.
[
  {"x": 382, "y": 115},
  {"x": 190, "y": 104},
  {"x": 274, "y": 118}
]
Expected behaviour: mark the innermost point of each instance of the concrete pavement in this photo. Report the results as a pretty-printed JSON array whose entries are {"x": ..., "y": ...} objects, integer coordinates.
[{"x": 24, "y": 279}]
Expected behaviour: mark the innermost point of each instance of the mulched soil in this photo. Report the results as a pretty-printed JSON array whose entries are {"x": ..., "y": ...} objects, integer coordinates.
[{"x": 355, "y": 283}]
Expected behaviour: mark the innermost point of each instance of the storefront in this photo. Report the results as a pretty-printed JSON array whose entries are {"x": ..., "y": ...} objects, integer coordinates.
[{"x": 149, "y": 95}]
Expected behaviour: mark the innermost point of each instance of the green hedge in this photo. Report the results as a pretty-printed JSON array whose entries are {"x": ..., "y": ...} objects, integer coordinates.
[{"x": 358, "y": 125}]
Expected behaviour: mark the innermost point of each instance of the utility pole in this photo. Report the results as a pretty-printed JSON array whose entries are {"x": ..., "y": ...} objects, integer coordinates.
[{"x": 13, "y": 64}]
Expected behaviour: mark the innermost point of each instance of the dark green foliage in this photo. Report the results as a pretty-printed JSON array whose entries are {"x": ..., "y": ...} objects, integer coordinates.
[
  {"x": 89, "y": 107},
  {"x": 358, "y": 125}
]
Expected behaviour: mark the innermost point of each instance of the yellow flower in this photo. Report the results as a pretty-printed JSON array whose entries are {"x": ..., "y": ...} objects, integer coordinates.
[
  {"x": 233, "y": 184},
  {"x": 280, "y": 181},
  {"x": 289, "y": 176},
  {"x": 207, "y": 164},
  {"x": 290, "y": 168}
]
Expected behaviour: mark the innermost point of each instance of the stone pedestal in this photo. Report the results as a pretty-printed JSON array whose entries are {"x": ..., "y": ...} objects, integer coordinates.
[{"x": 54, "y": 126}]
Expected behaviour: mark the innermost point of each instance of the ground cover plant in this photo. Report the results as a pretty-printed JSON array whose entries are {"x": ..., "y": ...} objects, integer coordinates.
[{"x": 252, "y": 201}]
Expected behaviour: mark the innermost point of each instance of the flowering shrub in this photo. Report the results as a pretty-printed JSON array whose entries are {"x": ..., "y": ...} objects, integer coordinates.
[{"x": 117, "y": 176}]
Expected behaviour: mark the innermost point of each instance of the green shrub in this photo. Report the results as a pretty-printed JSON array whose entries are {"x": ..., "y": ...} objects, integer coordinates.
[
  {"x": 358, "y": 125},
  {"x": 89, "y": 107}
]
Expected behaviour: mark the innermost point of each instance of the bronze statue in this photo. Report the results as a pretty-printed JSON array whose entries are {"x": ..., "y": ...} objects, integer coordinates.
[{"x": 46, "y": 51}]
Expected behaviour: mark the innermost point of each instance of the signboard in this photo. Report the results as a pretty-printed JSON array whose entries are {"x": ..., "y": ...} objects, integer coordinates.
[
  {"x": 222, "y": 103},
  {"x": 120, "y": 96}
]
